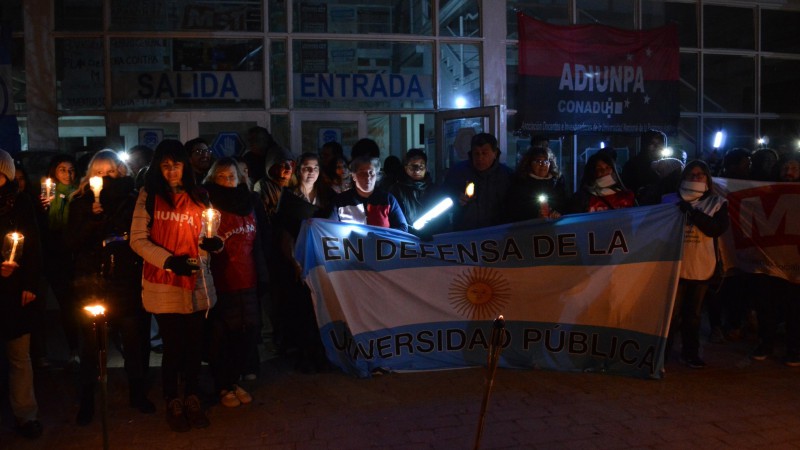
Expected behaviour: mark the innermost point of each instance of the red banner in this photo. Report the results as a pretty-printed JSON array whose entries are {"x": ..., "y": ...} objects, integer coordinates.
[{"x": 597, "y": 78}]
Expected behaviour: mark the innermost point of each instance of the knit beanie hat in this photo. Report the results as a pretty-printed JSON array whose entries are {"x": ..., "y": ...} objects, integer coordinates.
[{"x": 7, "y": 165}]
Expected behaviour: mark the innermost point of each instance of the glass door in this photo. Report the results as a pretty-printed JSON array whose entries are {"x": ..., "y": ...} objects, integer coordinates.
[
  {"x": 312, "y": 129},
  {"x": 454, "y": 130}
]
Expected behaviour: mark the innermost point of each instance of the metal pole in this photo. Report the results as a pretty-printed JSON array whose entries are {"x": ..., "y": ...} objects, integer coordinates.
[
  {"x": 101, "y": 332},
  {"x": 495, "y": 347}
]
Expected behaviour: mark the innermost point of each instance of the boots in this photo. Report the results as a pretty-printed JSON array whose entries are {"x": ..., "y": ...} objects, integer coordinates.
[
  {"x": 86, "y": 410},
  {"x": 137, "y": 395}
]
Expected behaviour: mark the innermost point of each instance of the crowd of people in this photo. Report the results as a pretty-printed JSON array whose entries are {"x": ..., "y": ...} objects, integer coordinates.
[{"x": 206, "y": 248}]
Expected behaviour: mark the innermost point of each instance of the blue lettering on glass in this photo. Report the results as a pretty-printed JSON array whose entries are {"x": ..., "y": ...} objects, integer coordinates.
[
  {"x": 360, "y": 84},
  {"x": 375, "y": 86},
  {"x": 378, "y": 88},
  {"x": 190, "y": 85}
]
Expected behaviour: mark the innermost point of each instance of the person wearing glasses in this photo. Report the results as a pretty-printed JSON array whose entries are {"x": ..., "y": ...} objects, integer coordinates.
[
  {"x": 363, "y": 203},
  {"x": 236, "y": 319},
  {"x": 538, "y": 189},
  {"x": 200, "y": 157},
  {"x": 414, "y": 188}
]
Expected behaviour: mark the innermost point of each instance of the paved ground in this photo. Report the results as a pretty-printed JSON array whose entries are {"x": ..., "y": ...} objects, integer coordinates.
[{"x": 733, "y": 404}]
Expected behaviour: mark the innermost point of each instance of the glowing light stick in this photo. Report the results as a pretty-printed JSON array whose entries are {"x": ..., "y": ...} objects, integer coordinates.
[{"x": 433, "y": 213}]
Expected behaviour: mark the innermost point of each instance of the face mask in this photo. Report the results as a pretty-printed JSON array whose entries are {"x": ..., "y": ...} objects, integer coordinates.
[
  {"x": 692, "y": 190},
  {"x": 605, "y": 181}
]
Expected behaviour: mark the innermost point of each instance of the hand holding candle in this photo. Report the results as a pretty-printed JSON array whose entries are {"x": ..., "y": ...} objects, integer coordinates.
[
  {"x": 470, "y": 191},
  {"x": 96, "y": 183},
  {"x": 544, "y": 207},
  {"x": 12, "y": 245},
  {"x": 210, "y": 223},
  {"x": 48, "y": 189}
]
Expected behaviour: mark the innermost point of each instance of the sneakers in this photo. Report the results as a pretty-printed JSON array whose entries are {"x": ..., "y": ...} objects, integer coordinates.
[
  {"x": 761, "y": 353},
  {"x": 243, "y": 396},
  {"x": 194, "y": 412},
  {"x": 31, "y": 429},
  {"x": 694, "y": 363},
  {"x": 175, "y": 418},
  {"x": 228, "y": 398},
  {"x": 792, "y": 360}
]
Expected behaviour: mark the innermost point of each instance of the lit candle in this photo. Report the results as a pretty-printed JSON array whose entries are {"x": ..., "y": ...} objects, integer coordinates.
[
  {"x": 15, "y": 238},
  {"x": 544, "y": 207},
  {"x": 96, "y": 183},
  {"x": 210, "y": 222},
  {"x": 48, "y": 188},
  {"x": 470, "y": 191},
  {"x": 95, "y": 310}
]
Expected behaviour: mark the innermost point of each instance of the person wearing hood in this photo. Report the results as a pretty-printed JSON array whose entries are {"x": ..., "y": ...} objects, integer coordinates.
[
  {"x": 19, "y": 276},
  {"x": 706, "y": 219},
  {"x": 538, "y": 189},
  {"x": 107, "y": 271},
  {"x": 414, "y": 188},
  {"x": 237, "y": 268},
  {"x": 601, "y": 188},
  {"x": 280, "y": 169},
  {"x": 487, "y": 180}
]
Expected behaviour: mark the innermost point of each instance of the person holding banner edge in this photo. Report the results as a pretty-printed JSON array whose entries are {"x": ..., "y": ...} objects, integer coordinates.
[{"x": 706, "y": 219}]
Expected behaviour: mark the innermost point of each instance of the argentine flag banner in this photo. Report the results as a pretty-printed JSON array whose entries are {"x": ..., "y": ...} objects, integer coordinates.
[{"x": 586, "y": 292}]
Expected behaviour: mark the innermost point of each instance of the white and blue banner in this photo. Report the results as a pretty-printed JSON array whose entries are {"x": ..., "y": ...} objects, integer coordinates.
[{"x": 586, "y": 292}]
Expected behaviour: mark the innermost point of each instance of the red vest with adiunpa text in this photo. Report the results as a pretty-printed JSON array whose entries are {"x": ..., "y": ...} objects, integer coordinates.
[{"x": 177, "y": 230}]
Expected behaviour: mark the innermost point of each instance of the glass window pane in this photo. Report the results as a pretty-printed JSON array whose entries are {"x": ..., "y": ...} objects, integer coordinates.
[
  {"x": 277, "y": 15},
  {"x": 689, "y": 78},
  {"x": 181, "y": 73},
  {"x": 729, "y": 84},
  {"x": 460, "y": 76},
  {"x": 784, "y": 135},
  {"x": 738, "y": 133},
  {"x": 779, "y": 93},
  {"x": 79, "y": 15},
  {"x": 779, "y": 31},
  {"x": 657, "y": 13},
  {"x": 279, "y": 128},
  {"x": 362, "y": 74},
  {"x": 512, "y": 76},
  {"x": 377, "y": 16},
  {"x": 220, "y": 136},
  {"x": 81, "y": 133},
  {"x": 79, "y": 74},
  {"x": 725, "y": 27},
  {"x": 459, "y": 18},
  {"x": 149, "y": 134},
  {"x": 11, "y": 13},
  {"x": 618, "y": 13},
  {"x": 181, "y": 15},
  {"x": 279, "y": 92},
  {"x": 18, "y": 83},
  {"x": 555, "y": 12}
]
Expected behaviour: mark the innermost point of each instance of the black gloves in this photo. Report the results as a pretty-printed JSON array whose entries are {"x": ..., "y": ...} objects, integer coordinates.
[
  {"x": 181, "y": 265},
  {"x": 212, "y": 245},
  {"x": 685, "y": 206}
]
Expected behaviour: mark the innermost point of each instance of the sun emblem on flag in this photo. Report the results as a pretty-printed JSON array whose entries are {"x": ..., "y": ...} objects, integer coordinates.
[{"x": 479, "y": 293}]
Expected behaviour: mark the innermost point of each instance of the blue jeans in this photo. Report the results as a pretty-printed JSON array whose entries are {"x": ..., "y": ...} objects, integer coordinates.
[{"x": 20, "y": 379}]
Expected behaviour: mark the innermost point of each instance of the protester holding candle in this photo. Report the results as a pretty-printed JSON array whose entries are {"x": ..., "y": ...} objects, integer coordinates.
[
  {"x": 235, "y": 320},
  {"x": 107, "y": 271},
  {"x": 59, "y": 264},
  {"x": 538, "y": 189},
  {"x": 491, "y": 180},
  {"x": 178, "y": 287},
  {"x": 18, "y": 287}
]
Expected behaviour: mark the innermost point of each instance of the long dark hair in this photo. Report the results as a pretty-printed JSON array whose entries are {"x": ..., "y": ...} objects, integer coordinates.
[
  {"x": 154, "y": 182},
  {"x": 58, "y": 159}
]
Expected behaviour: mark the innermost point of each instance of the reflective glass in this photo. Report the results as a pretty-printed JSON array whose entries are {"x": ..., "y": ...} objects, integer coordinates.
[
  {"x": 779, "y": 92},
  {"x": 512, "y": 77},
  {"x": 784, "y": 135},
  {"x": 729, "y": 84},
  {"x": 277, "y": 15},
  {"x": 459, "y": 18},
  {"x": 657, "y": 13},
  {"x": 688, "y": 82},
  {"x": 18, "y": 74},
  {"x": 779, "y": 31},
  {"x": 158, "y": 73},
  {"x": 76, "y": 133},
  {"x": 362, "y": 74},
  {"x": 278, "y": 90},
  {"x": 617, "y": 14},
  {"x": 727, "y": 27},
  {"x": 79, "y": 15},
  {"x": 182, "y": 15},
  {"x": 79, "y": 74},
  {"x": 376, "y": 16},
  {"x": 460, "y": 76},
  {"x": 555, "y": 12}
]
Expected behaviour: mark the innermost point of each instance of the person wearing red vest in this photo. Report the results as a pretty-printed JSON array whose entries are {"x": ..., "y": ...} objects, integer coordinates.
[
  {"x": 177, "y": 285},
  {"x": 235, "y": 320}
]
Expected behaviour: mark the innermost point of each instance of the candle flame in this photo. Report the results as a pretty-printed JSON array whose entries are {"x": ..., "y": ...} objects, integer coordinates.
[
  {"x": 95, "y": 310},
  {"x": 16, "y": 236},
  {"x": 470, "y": 191}
]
